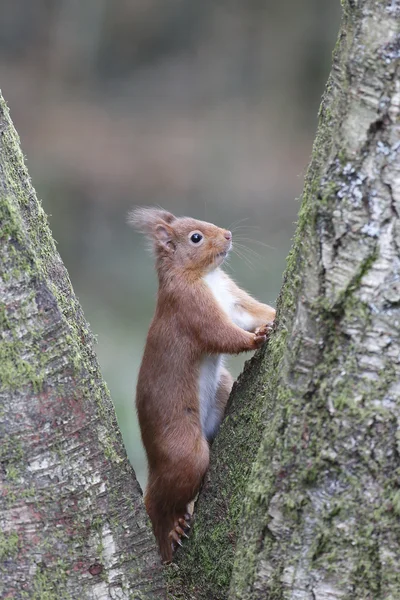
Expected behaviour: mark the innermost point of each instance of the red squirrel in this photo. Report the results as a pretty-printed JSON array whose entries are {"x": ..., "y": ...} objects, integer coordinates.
[{"x": 183, "y": 386}]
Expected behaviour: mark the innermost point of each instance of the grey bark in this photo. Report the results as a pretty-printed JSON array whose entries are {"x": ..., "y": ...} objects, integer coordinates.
[
  {"x": 322, "y": 508},
  {"x": 313, "y": 511},
  {"x": 73, "y": 525}
]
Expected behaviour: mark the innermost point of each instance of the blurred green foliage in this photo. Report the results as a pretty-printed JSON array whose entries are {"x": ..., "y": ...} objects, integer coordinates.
[{"x": 207, "y": 108}]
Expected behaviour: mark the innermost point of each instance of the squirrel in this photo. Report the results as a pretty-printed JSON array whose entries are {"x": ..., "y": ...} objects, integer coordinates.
[{"x": 183, "y": 386}]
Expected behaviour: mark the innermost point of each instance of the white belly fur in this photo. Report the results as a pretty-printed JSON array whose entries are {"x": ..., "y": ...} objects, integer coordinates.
[
  {"x": 210, "y": 372},
  {"x": 210, "y": 368}
]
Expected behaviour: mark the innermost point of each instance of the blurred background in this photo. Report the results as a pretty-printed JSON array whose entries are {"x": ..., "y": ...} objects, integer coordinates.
[{"x": 207, "y": 108}]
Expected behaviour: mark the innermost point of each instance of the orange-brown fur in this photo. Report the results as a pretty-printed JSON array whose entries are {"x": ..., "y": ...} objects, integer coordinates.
[{"x": 188, "y": 325}]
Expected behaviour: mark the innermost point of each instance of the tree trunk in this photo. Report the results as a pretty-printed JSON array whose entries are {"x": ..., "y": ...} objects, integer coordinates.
[
  {"x": 73, "y": 525},
  {"x": 317, "y": 513}
]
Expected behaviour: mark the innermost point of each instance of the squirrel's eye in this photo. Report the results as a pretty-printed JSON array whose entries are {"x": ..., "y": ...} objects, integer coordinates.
[{"x": 196, "y": 238}]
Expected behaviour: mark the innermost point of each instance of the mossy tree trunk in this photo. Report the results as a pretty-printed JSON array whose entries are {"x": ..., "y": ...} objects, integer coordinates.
[
  {"x": 303, "y": 494},
  {"x": 72, "y": 520}
]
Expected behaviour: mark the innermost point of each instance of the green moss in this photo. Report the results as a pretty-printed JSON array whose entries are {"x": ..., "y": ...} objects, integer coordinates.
[
  {"x": 395, "y": 502},
  {"x": 9, "y": 545},
  {"x": 28, "y": 493},
  {"x": 15, "y": 371},
  {"x": 11, "y": 473},
  {"x": 50, "y": 583}
]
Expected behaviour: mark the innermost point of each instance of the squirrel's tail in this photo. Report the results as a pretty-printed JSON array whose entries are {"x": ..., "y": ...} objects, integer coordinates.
[
  {"x": 162, "y": 528},
  {"x": 170, "y": 490},
  {"x": 163, "y": 521}
]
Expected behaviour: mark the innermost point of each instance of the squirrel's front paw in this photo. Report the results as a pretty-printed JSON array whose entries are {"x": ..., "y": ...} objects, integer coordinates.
[
  {"x": 262, "y": 333},
  {"x": 260, "y": 337}
]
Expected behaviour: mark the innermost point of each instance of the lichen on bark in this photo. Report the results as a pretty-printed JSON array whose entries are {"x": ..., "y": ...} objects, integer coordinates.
[{"x": 71, "y": 513}]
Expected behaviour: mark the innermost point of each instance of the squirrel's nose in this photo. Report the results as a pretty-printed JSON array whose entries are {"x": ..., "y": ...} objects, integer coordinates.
[{"x": 228, "y": 235}]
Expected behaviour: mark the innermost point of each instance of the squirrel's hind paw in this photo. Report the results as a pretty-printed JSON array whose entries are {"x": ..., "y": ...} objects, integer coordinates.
[{"x": 181, "y": 528}]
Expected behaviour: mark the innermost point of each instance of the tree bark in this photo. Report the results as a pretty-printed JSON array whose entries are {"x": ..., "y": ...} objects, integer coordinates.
[
  {"x": 316, "y": 505},
  {"x": 73, "y": 525}
]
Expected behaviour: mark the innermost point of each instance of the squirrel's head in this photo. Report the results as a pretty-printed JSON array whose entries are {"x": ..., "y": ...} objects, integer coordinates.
[{"x": 186, "y": 243}]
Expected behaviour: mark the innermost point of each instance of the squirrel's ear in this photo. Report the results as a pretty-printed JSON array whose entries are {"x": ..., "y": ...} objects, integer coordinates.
[
  {"x": 164, "y": 237},
  {"x": 145, "y": 219}
]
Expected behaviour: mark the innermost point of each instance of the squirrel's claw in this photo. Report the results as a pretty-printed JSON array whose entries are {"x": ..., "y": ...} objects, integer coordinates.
[{"x": 183, "y": 522}]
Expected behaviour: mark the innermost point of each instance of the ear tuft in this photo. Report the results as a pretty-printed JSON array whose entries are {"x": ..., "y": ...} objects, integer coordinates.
[{"x": 146, "y": 219}]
